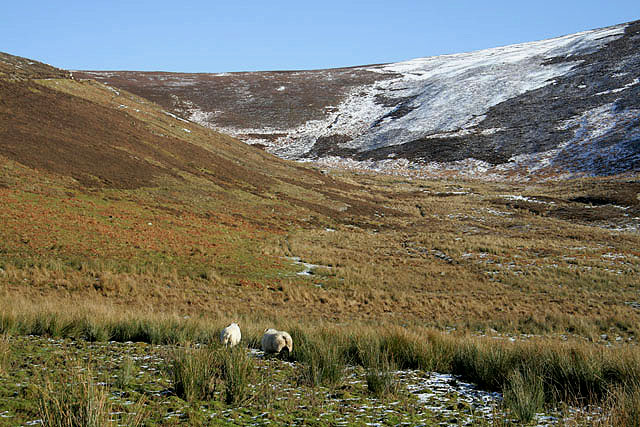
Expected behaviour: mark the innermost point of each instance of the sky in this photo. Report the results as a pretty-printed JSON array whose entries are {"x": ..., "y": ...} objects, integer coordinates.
[{"x": 220, "y": 36}]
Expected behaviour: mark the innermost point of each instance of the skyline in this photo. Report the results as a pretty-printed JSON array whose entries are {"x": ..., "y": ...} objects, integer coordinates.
[{"x": 282, "y": 35}]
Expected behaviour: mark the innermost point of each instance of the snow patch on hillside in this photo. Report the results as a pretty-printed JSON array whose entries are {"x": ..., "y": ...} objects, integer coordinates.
[{"x": 449, "y": 94}]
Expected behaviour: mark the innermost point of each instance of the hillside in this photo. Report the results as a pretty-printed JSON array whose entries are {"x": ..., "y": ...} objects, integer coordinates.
[
  {"x": 129, "y": 236},
  {"x": 101, "y": 137},
  {"x": 99, "y": 184},
  {"x": 95, "y": 180},
  {"x": 563, "y": 107}
]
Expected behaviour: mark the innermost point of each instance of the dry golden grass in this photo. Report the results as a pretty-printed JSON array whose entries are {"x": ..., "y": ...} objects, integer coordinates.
[
  {"x": 465, "y": 261},
  {"x": 469, "y": 255}
]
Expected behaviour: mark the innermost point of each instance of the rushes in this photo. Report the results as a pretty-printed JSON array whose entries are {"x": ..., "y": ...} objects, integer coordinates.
[
  {"x": 524, "y": 394},
  {"x": 126, "y": 374},
  {"x": 623, "y": 406},
  {"x": 379, "y": 366},
  {"x": 5, "y": 354},
  {"x": 323, "y": 362},
  {"x": 204, "y": 373},
  {"x": 196, "y": 373},
  {"x": 579, "y": 372},
  {"x": 73, "y": 401},
  {"x": 237, "y": 374}
]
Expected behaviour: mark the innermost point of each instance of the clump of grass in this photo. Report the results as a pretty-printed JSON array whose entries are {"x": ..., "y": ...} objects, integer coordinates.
[
  {"x": 93, "y": 331},
  {"x": 484, "y": 364},
  {"x": 49, "y": 324},
  {"x": 204, "y": 373},
  {"x": 408, "y": 351},
  {"x": 196, "y": 373},
  {"x": 5, "y": 354},
  {"x": 237, "y": 373},
  {"x": 73, "y": 401},
  {"x": 322, "y": 359},
  {"x": 379, "y": 376},
  {"x": 323, "y": 365},
  {"x": 623, "y": 404},
  {"x": 379, "y": 368},
  {"x": 126, "y": 373},
  {"x": 524, "y": 394}
]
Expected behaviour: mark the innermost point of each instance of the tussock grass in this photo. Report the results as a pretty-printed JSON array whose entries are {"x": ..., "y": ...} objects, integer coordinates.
[
  {"x": 379, "y": 367},
  {"x": 213, "y": 372},
  {"x": 5, "y": 354},
  {"x": 523, "y": 394},
  {"x": 125, "y": 374},
  {"x": 102, "y": 323},
  {"x": 323, "y": 360},
  {"x": 73, "y": 401},
  {"x": 577, "y": 371},
  {"x": 623, "y": 406},
  {"x": 196, "y": 373},
  {"x": 238, "y": 373}
]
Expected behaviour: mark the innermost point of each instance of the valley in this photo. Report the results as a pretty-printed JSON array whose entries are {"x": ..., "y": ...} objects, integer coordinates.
[{"x": 487, "y": 276}]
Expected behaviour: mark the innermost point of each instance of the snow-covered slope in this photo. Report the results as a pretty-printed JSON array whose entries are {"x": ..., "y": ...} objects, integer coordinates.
[{"x": 561, "y": 107}]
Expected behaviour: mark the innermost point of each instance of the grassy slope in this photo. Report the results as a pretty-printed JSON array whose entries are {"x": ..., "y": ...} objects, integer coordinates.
[
  {"x": 105, "y": 196},
  {"x": 104, "y": 191}
]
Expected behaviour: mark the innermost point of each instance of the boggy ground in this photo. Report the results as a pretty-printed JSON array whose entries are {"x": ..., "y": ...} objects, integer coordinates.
[
  {"x": 138, "y": 380},
  {"x": 137, "y": 383}
]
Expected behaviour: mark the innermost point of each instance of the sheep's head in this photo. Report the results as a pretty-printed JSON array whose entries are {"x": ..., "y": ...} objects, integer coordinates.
[{"x": 285, "y": 352}]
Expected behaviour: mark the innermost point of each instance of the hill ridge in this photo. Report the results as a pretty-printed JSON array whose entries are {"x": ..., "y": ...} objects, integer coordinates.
[{"x": 471, "y": 114}]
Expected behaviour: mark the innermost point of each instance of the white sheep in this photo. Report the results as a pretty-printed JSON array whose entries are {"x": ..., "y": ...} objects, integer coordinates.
[
  {"x": 274, "y": 341},
  {"x": 230, "y": 335}
]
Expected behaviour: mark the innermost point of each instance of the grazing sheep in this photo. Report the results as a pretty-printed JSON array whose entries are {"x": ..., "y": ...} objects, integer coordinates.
[
  {"x": 276, "y": 341},
  {"x": 230, "y": 335}
]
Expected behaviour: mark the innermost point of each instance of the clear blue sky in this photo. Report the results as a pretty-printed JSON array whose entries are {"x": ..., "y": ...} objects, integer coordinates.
[{"x": 237, "y": 35}]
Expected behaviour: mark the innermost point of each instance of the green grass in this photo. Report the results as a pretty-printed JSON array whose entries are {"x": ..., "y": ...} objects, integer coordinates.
[
  {"x": 73, "y": 401},
  {"x": 125, "y": 374},
  {"x": 213, "y": 372},
  {"x": 207, "y": 379},
  {"x": 379, "y": 374},
  {"x": 569, "y": 371},
  {"x": 238, "y": 373},
  {"x": 196, "y": 373},
  {"x": 5, "y": 354},
  {"x": 322, "y": 360},
  {"x": 523, "y": 394}
]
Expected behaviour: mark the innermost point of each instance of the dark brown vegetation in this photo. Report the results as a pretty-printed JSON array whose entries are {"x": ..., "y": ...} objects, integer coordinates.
[
  {"x": 282, "y": 99},
  {"x": 18, "y": 68}
]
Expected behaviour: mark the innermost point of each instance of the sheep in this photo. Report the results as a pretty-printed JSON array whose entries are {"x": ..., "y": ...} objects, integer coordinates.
[
  {"x": 230, "y": 335},
  {"x": 274, "y": 341}
]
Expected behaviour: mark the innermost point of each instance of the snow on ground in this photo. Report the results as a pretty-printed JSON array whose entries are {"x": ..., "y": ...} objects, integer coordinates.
[
  {"x": 175, "y": 117},
  {"x": 447, "y": 95}
]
